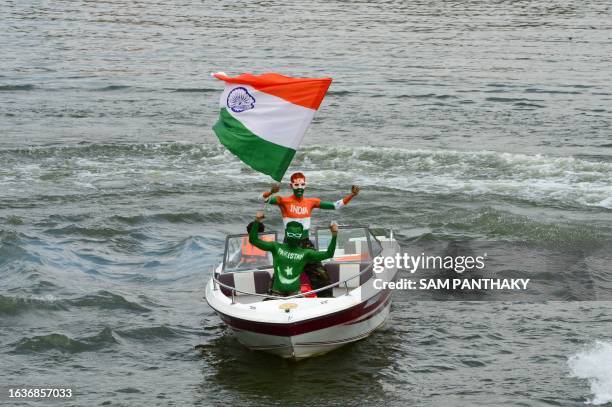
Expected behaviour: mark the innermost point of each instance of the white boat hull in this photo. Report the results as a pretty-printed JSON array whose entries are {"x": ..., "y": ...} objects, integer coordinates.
[{"x": 313, "y": 343}]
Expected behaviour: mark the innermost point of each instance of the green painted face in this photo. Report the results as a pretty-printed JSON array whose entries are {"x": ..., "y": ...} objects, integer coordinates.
[
  {"x": 298, "y": 186},
  {"x": 299, "y": 192},
  {"x": 293, "y": 234}
]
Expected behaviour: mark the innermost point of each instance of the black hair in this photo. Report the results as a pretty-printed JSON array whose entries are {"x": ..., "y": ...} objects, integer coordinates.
[
  {"x": 295, "y": 224},
  {"x": 260, "y": 229}
]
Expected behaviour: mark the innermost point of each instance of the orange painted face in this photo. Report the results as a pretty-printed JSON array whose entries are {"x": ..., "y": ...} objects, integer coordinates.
[{"x": 298, "y": 185}]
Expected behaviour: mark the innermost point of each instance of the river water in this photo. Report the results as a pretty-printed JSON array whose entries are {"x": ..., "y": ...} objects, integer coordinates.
[{"x": 470, "y": 121}]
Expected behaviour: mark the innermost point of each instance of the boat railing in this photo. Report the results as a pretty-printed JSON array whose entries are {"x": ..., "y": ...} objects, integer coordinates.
[{"x": 234, "y": 290}]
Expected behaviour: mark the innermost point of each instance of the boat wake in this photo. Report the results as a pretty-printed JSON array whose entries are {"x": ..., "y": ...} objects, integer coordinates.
[{"x": 559, "y": 181}]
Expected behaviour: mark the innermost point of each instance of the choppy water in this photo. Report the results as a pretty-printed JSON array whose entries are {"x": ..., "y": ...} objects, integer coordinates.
[{"x": 464, "y": 120}]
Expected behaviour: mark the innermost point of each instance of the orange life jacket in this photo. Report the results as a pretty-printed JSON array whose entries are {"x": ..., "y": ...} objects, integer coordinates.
[{"x": 250, "y": 253}]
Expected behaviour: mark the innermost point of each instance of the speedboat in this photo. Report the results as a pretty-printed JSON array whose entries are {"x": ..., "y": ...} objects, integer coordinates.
[{"x": 305, "y": 324}]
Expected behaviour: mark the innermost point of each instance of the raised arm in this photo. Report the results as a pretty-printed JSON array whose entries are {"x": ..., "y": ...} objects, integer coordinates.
[
  {"x": 314, "y": 255},
  {"x": 266, "y": 195},
  {"x": 341, "y": 202},
  {"x": 254, "y": 235}
]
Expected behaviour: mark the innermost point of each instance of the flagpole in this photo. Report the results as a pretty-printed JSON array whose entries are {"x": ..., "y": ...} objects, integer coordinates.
[{"x": 265, "y": 204}]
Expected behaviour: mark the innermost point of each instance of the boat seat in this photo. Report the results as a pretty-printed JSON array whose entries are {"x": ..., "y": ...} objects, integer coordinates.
[
  {"x": 250, "y": 282},
  {"x": 342, "y": 271}
]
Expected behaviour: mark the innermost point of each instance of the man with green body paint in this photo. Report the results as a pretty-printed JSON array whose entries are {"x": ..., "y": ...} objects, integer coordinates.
[{"x": 289, "y": 258}]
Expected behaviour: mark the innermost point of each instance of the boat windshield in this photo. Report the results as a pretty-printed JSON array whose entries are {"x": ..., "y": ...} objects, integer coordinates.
[
  {"x": 240, "y": 255},
  {"x": 354, "y": 244}
]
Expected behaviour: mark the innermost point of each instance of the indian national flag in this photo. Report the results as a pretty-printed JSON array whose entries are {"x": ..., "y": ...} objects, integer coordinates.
[{"x": 264, "y": 117}]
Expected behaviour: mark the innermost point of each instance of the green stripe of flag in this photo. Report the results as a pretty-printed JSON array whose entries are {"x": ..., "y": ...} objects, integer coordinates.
[{"x": 259, "y": 154}]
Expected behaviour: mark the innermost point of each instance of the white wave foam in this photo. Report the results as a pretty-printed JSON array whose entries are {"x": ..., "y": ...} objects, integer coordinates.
[
  {"x": 545, "y": 180},
  {"x": 537, "y": 178},
  {"x": 606, "y": 203},
  {"x": 595, "y": 365}
]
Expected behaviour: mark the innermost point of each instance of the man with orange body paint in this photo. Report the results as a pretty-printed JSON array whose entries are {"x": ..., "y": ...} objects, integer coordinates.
[{"x": 297, "y": 208}]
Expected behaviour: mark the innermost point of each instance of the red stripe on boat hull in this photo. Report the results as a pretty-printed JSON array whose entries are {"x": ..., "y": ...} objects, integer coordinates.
[{"x": 301, "y": 327}]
